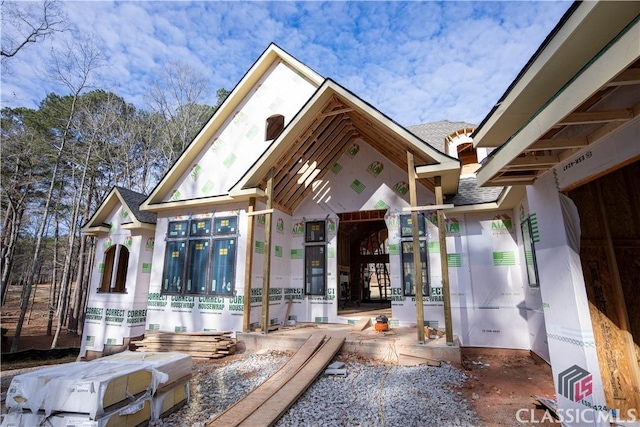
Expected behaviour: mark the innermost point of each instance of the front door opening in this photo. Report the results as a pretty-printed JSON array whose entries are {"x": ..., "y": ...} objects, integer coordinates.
[{"x": 363, "y": 259}]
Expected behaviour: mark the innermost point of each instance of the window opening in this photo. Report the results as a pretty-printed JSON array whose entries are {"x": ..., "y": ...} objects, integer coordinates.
[
  {"x": 407, "y": 255},
  {"x": 275, "y": 125},
  {"x": 315, "y": 258},
  {"x": 201, "y": 262},
  {"x": 114, "y": 273},
  {"x": 529, "y": 253}
]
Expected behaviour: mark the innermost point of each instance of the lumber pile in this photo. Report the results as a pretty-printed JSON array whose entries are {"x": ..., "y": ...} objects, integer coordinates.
[
  {"x": 126, "y": 389},
  {"x": 201, "y": 345}
]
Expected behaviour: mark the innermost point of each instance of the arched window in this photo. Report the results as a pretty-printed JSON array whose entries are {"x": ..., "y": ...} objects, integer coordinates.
[
  {"x": 275, "y": 124},
  {"x": 114, "y": 273}
]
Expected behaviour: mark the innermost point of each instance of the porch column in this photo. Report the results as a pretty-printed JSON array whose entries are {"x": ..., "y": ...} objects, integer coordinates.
[
  {"x": 266, "y": 267},
  {"x": 444, "y": 266},
  {"x": 246, "y": 311},
  {"x": 417, "y": 264}
]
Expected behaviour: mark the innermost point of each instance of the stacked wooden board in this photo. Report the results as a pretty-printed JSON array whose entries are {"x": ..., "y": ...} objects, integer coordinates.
[
  {"x": 205, "y": 345},
  {"x": 126, "y": 389}
]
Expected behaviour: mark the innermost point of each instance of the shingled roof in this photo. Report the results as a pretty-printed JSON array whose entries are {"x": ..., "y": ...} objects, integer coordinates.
[
  {"x": 434, "y": 133},
  {"x": 469, "y": 193},
  {"x": 133, "y": 200}
]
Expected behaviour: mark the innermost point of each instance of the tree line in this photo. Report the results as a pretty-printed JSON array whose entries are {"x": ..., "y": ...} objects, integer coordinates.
[{"x": 60, "y": 160}]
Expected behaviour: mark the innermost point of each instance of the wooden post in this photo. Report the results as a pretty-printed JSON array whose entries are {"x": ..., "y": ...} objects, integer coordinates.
[
  {"x": 417, "y": 264},
  {"x": 266, "y": 267},
  {"x": 442, "y": 235},
  {"x": 619, "y": 304},
  {"x": 246, "y": 312}
]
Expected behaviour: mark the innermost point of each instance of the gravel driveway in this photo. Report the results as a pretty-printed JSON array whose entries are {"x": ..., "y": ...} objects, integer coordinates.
[{"x": 371, "y": 394}]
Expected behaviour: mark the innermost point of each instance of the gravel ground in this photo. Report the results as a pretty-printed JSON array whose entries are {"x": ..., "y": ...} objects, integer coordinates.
[{"x": 371, "y": 394}]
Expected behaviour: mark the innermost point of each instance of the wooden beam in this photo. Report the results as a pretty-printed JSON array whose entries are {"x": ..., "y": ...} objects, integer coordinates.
[
  {"x": 246, "y": 311},
  {"x": 590, "y": 117},
  {"x": 629, "y": 76},
  {"x": 533, "y": 160},
  {"x": 335, "y": 112},
  {"x": 263, "y": 211},
  {"x": 618, "y": 292},
  {"x": 417, "y": 262},
  {"x": 444, "y": 265},
  {"x": 427, "y": 208},
  {"x": 266, "y": 267},
  {"x": 558, "y": 144}
]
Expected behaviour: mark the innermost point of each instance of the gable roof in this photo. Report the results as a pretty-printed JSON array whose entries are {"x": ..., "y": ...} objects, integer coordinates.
[
  {"x": 127, "y": 198},
  {"x": 320, "y": 134},
  {"x": 272, "y": 54}
]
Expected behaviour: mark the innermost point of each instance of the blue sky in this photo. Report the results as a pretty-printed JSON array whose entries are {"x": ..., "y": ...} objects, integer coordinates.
[{"x": 416, "y": 62}]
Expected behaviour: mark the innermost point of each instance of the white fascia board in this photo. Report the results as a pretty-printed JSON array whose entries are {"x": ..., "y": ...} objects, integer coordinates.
[
  {"x": 238, "y": 94},
  {"x": 137, "y": 225},
  {"x": 616, "y": 58},
  {"x": 95, "y": 231},
  {"x": 205, "y": 201},
  {"x": 105, "y": 208}
]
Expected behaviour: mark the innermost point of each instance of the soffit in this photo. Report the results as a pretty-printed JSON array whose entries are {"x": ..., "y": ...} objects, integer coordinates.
[{"x": 600, "y": 99}]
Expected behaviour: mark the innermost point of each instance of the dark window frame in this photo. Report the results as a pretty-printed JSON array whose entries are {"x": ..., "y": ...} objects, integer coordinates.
[
  {"x": 406, "y": 227},
  {"x": 528, "y": 245},
  {"x": 200, "y": 231},
  {"x": 408, "y": 283},
  {"x": 315, "y": 242}
]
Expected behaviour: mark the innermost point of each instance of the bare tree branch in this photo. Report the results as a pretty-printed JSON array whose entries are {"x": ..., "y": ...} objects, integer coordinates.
[{"x": 24, "y": 23}]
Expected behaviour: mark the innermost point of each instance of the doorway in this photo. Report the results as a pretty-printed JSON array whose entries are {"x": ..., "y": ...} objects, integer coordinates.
[{"x": 363, "y": 259}]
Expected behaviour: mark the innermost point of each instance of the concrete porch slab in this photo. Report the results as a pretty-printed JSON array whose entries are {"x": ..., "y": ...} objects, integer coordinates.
[{"x": 397, "y": 345}]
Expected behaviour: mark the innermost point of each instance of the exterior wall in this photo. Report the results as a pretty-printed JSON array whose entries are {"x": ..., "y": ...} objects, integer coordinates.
[
  {"x": 172, "y": 313},
  {"x": 112, "y": 318},
  {"x": 562, "y": 285},
  {"x": 241, "y": 140},
  {"x": 486, "y": 287},
  {"x": 532, "y": 295}
]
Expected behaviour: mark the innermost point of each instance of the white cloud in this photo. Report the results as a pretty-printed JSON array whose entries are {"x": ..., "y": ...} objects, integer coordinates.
[{"x": 414, "y": 61}]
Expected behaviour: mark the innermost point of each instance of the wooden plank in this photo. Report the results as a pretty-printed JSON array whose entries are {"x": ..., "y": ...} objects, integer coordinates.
[
  {"x": 362, "y": 324},
  {"x": 266, "y": 263},
  {"x": 239, "y": 411},
  {"x": 285, "y": 397},
  {"x": 442, "y": 237},
  {"x": 246, "y": 312}
]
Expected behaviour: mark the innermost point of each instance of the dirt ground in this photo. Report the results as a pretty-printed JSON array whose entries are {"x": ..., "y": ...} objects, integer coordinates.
[{"x": 499, "y": 386}]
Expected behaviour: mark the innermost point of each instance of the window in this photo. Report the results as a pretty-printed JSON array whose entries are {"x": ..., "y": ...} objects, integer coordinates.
[
  {"x": 275, "y": 124},
  {"x": 408, "y": 270},
  {"x": 114, "y": 274},
  {"x": 529, "y": 253},
  {"x": 406, "y": 247},
  {"x": 407, "y": 226},
  {"x": 200, "y": 257},
  {"x": 315, "y": 258}
]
